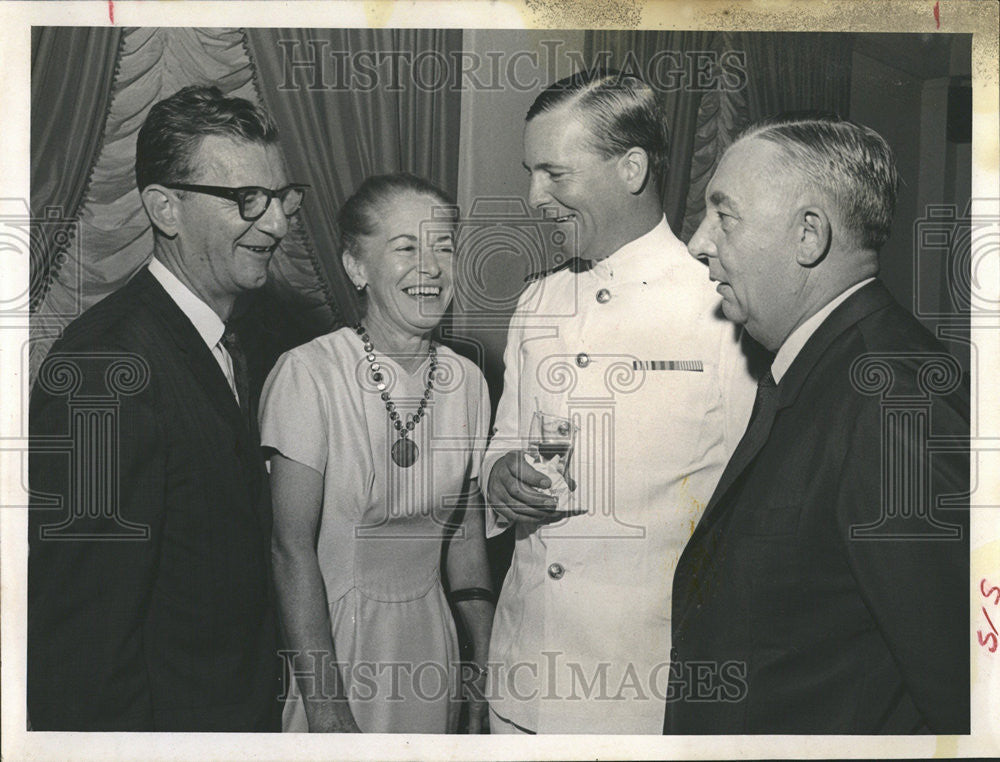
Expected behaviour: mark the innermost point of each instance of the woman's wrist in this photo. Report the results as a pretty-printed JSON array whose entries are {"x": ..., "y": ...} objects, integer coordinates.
[
  {"x": 472, "y": 594},
  {"x": 474, "y": 669}
]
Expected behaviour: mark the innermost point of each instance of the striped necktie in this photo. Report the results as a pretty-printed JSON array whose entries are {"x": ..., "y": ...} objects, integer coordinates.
[{"x": 241, "y": 376}]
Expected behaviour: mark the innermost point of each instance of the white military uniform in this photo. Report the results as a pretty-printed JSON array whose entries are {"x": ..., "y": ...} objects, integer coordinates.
[{"x": 637, "y": 352}]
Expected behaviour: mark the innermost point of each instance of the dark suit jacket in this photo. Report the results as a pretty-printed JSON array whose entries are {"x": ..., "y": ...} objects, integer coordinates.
[
  {"x": 785, "y": 622},
  {"x": 157, "y": 613}
]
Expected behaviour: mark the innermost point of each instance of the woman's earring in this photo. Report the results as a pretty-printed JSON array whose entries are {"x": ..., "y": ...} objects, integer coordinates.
[{"x": 360, "y": 286}]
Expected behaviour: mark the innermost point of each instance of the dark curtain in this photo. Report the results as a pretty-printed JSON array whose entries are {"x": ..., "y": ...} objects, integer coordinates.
[
  {"x": 72, "y": 74},
  {"x": 371, "y": 101},
  {"x": 785, "y": 72},
  {"x": 797, "y": 72}
]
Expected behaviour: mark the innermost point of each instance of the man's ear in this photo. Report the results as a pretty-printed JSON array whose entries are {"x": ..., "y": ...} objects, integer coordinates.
[
  {"x": 355, "y": 270},
  {"x": 633, "y": 168},
  {"x": 813, "y": 236},
  {"x": 161, "y": 206}
]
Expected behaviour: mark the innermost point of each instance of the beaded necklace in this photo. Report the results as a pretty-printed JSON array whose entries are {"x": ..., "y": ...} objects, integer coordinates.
[{"x": 404, "y": 451}]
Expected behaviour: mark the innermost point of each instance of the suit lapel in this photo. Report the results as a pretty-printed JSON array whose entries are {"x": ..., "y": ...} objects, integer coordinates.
[
  {"x": 204, "y": 369},
  {"x": 207, "y": 375},
  {"x": 697, "y": 559},
  {"x": 858, "y": 306}
]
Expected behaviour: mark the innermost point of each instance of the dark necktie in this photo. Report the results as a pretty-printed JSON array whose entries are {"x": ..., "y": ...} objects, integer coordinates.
[
  {"x": 765, "y": 405},
  {"x": 241, "y": 376}
]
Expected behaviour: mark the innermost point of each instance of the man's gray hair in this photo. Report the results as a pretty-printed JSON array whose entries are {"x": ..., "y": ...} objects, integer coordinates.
[{"x": 851, "y": 163}]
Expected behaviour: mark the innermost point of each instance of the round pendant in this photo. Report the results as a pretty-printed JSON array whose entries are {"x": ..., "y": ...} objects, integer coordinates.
[{"x": 404, "y": 453}]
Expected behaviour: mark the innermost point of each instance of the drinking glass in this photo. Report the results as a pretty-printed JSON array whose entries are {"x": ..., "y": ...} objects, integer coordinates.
[{"x": 551, "y": 439}]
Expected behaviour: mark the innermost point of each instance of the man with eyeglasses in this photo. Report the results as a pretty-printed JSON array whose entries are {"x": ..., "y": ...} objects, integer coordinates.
[{"x": 156, "y": 613}]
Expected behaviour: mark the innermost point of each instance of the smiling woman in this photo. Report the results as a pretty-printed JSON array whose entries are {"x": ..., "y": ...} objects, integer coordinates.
[
  {"x": 375, "y": 437},
  {"x": 398, "y": 248}
]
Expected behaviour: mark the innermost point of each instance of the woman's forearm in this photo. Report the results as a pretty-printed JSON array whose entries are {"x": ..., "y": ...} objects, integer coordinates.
[
  {"x": 306, "y": 624},
  {"x": 297, "y": 492},
  {"x": 468, "y": 567}
]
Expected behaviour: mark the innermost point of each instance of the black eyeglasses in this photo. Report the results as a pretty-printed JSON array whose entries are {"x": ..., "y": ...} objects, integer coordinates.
[{"x": 252, "y": 199}]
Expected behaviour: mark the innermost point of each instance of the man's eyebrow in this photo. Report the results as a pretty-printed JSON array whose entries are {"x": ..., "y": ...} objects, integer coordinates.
[
  {"x": 546, "y": 166},
  {"x": 407, "y": 236},
  {"x": 718, "y": 198}
]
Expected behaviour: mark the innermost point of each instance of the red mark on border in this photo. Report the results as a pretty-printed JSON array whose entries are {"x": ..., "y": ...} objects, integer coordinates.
[
  {"x": 111, "y": 10},
  {"x": 994, "y": 591},
  {"x": 990, "y": 640},
  {"x": 992, "y": 626},
  {"x": 937, "y": 14}
]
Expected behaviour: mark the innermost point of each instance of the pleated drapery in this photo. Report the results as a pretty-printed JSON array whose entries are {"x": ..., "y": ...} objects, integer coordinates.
[
  {"x": 785, "y": 72},
  {"x": 340, "y": 125},
  {"x": 69, "y": 105}
]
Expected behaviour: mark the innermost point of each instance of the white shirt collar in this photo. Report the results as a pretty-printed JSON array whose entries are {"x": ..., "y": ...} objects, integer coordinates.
[
  {"x": 205, "y": 320},
  {"x": 797, "y": 339},
  {"x": 635, "y": 250}
]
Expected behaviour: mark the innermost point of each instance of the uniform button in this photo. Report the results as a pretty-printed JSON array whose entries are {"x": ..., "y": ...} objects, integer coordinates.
[
  {"x": 556, "y": 571},
  {"x": 583, "y": 359},
  {"x": 603, "y": 296},
  {"x": 673, "y": 654}
]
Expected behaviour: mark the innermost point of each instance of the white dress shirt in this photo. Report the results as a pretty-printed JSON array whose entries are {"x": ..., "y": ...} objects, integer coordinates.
[
  {"x": 797, "y": 339},
  {"x": 205, "y": 320},
  {"x": 637, "y": 352}
]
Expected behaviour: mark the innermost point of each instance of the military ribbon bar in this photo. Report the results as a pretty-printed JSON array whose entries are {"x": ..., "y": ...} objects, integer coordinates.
[{"x": 691, "y": 365}]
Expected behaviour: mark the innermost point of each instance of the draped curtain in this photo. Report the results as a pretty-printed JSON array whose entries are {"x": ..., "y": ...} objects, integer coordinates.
[
  {"x": 352, "y": 103},
  {"x": 797, "y": 72},
  {"x": 781, "y": 72},
  {"x": 65, "y": 137},
  {"x": 785, "y": 72}
]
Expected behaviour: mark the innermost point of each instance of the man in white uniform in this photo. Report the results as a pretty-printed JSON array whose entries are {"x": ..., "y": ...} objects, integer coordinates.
[{"x": 629, "y": 342}]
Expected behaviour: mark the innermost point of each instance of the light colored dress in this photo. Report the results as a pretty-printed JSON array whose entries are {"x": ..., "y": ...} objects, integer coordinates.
[{"x": 382, "y": 527}]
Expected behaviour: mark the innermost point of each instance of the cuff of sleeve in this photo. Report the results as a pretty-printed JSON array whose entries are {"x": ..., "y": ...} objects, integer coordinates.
[{"x": 495, "y": 523}]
